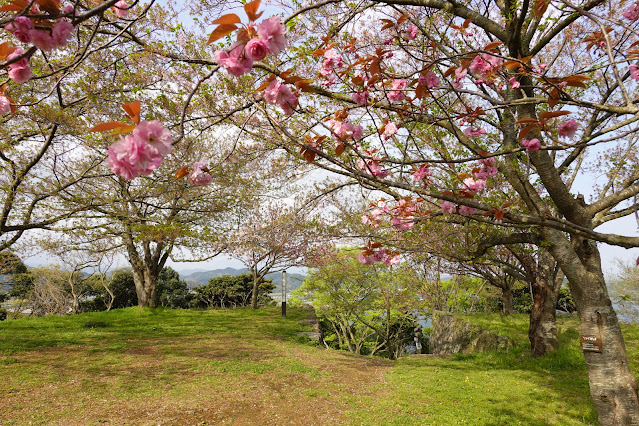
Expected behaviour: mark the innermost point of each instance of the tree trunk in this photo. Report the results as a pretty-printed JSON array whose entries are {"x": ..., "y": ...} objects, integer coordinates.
[
  {"x": 256, "y": 281},
  {"x": 146, "y": 287},
  {"x": 613, "y": 387},
  {"x": 507, "y": 300},
  {"x": 542, "y": 331}
]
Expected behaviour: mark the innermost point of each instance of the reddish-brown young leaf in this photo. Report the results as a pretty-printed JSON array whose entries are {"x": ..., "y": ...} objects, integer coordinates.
[
  {"x": 251, "y": 10},
  {"x": 108, "y": 126},
  {"x": 526, "y": 120},
  {"x": 402, "y": 19},
  {"x": 306, "y": 87},
  {"x": 499, "y": 215},
  {"x": 540, "y": 7},
  {"x": 319, "y": 52},
  {"x": 49, "y": 6},
  {"x": 132, "y": 109},
  {"x": 228, "y": 19},
  {"x": 14, "y": 6},
  {"x": 182, "y": 172},
  {"x": 339, "y": 149},
  {"x": 5, "y": 50},
  {"x": 266, "y": 83},
  {"x": 12, "y": 104},
  {"x": 466, "y": 23},
  {"x": 120, "y": 130},
  {"x": 527, "y": 129},
  {"x": 553, "y": 99},
  {"x": 221, "y": 31},
  {"x": 547, "y": 115},
  {"x": 420, "y": 91},
  {"x": 450, "y": 71},
  {"x": 493, "y": 45}
]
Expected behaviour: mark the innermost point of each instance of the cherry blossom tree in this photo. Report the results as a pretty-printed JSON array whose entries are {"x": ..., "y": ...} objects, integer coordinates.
[
  {"x": 425, "y": 100},
  {"x": 273, "y": 237}
]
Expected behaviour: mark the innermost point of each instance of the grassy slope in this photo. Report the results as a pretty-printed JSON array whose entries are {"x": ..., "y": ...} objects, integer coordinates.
[{"x": 246, "y": 367}]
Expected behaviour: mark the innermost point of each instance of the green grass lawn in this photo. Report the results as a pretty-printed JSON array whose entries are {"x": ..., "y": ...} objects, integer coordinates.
[{"x": 141, "y": 366}]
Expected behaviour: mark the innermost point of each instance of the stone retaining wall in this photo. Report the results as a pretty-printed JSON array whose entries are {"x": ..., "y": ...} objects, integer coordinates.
[{"x": 451, "y": 335}]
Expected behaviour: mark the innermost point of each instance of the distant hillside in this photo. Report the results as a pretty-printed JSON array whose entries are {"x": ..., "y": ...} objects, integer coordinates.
[{"x": 293, "y": 281}]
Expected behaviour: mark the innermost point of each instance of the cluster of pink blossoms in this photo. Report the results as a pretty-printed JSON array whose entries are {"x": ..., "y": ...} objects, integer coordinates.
[
  {"x": 5, "y": 105},
  {"x": 19, "y": 71},
  {"x": 281, "y": 95},
  {"x": 381, "y": 255},
  {"x": 403, "y": 215},
  {"x": 332, "y": 60},
  {"x": 142, "y": 152},
  {"x": 122, "y": 9},
  {"x": 532, "y": 144},
  {"x": 632, "y": 12},
  {"x": 45, "y": 39},
  {"x": 634, "y": 71},
  {"x": 373, "y": 167},
  {"x": 421, "y": 174},
  {"x": 345, "y": 129},
  {"x": 241, "y": 55},
  {"x": 199, "y": 174},
  {"x": 567, "y": 129},
  {"x": 397, "y": 94},
  {"x": 430, "y": 80},
  {"x": 374, "y": 217}
]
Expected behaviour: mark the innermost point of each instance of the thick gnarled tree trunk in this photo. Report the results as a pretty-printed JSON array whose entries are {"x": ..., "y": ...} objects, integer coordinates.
[{"x": 613, "y": 387}]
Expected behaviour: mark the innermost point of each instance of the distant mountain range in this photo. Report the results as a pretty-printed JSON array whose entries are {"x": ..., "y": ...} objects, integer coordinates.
[{"x": 293, "y": 281}]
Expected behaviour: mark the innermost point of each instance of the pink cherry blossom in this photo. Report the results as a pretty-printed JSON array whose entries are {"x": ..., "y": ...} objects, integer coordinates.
[
  {"x": 480, "y": 66},
  {"x": 466, "y": 211},
  {"x": 360, "y": 98},
  {"x": 61, "y": 33},
  {"x": 20, "y": 75},
  {"x": 389, "y": 131},
  {"x": 447, "y": 206},
  {"x": 236, "y": 63},
  {"x": 396, "y": 94},
  {"x": 281, "y": 95},
  {"x": 567, "y": 129},
  {"x": 411, "y": 32},
  {"x": 531, "y": 145},
  {"x": 489, "y": 161},
  {"x": 421, "y": 173},
  {"x": 430, "y": 79},
  {"x": 5, "y": 105},
  {"x": 402, "y": 223},
  {"x": 632, "y": 12},
  {"x": 131, "y": 157},
  {"x": 460, "y": 73},
  {"x": 473, "y": 132},
  {"x": 19, "y": 71},
  {"x": 67, "y": 9},
  {"x": 365, "y": 260},
  {"x": 475, "y": 185},
  {"x": 198, "y": 175},
  {"x": 122, "y": 9},
  {"x": 345, "y": 129},
  {"x": 155, "y": 135},
  {"x": 256, "y": 49},
  {"x": 392, "y": 260},
  {"x": 271, "y": 31},
  {"x": 20, "y": 28},
  {"x": 332, "y": 59},
  {"x": 634, "y": 71},
  {"x": 42, "y": 40},
  {"x": 514, "y": 83}
]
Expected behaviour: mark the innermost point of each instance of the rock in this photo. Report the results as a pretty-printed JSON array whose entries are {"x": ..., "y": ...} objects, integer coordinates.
[{"x": 451, "y": 335}]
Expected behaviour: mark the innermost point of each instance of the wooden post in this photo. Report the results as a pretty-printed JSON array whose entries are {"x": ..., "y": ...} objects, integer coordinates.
[{"x": 284, "y": 294}]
